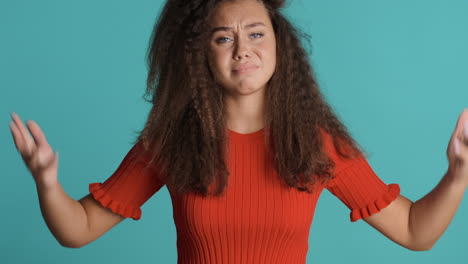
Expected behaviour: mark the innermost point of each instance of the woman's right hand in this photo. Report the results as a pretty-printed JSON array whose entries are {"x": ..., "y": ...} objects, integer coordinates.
[{"x": 36, "y": 152}]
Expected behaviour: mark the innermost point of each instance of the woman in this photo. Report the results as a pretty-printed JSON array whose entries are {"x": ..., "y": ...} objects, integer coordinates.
[{"x": 242, "y": 138}]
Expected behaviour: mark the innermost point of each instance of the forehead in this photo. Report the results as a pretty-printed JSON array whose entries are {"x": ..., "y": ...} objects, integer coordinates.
[{"x": 239, "y": 11}]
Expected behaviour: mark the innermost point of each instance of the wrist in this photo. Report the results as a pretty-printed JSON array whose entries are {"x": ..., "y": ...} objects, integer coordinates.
[
  {"x": 47, "y": 185},
  {"x": 455, "y": 180}
]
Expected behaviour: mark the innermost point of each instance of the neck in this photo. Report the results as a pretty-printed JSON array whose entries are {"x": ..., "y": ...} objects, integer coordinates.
[{"x": 244, "y": 114}]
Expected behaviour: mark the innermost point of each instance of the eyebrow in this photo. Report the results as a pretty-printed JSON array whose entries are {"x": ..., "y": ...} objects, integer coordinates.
[{"x": 230, "y": 28}]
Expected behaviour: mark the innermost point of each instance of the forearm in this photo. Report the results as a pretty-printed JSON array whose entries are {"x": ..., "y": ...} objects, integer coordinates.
[
  {"x": 430, "y": 216},
  {"x": 64, "y": 216}
]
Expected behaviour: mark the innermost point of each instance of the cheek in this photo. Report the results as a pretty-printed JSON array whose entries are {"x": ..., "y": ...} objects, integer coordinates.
[
  {"x": 219, "y": 62},
  {"x": 269, "y": 56},
  {"x": 272, "y": 50},
  {"x": 219, "y": 65}
]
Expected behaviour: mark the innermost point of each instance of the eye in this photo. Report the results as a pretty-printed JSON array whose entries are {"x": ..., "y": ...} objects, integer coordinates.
[
  {"x": 226, "y": 39},
  {"x": 257, "y": 34},
  {"x": 221, "y": 40}
]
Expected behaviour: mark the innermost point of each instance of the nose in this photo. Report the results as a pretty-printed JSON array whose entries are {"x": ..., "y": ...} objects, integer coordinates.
[{"x": 241, "y": 50}]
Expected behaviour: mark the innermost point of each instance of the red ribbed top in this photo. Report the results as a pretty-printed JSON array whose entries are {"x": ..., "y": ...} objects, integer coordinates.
[{"x": 259, "y": 219}]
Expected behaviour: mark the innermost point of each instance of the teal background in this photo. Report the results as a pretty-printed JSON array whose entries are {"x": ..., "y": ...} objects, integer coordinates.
[{"x": 394, "y": 71}]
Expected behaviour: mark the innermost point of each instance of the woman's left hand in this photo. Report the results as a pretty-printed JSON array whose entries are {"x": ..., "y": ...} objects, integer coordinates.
[{"x": 457, "y": 150}]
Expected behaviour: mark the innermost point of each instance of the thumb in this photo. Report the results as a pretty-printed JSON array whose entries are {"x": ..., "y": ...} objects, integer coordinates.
[
  {"x": 460, "y": 148},
  {"x": 56, "y": 158}
]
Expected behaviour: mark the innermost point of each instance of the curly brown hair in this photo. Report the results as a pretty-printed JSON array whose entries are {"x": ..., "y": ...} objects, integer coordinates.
[{"x": 187, "y": 125}]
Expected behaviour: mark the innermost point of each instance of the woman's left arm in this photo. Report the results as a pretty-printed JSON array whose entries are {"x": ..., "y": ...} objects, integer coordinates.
[{"x": 418, "y": 225}]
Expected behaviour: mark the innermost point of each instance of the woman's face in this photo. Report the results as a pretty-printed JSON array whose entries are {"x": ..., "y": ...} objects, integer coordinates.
[{"x": 242, "y": 50}]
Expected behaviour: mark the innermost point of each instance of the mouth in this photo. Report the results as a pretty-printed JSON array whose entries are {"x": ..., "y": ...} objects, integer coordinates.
[{"x": 246, "y": 68}]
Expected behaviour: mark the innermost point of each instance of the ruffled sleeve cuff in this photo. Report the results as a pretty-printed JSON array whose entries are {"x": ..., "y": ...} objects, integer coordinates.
[
  {"x": 116, "y": 206},
  {"x": 377, "y": 205}
]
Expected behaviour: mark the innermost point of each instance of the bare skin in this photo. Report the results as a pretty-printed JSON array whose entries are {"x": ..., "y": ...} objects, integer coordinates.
[
  {"x": 242, "y": 35},
  {"x": 73, "y": 223},
  {"x": 403, "y": 221},
  {"x": 419, "y": 225},
  {"x": 413, "y": 225}
]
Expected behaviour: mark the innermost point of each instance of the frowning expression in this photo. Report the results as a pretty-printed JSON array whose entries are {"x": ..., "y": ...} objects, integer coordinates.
[{"x": 242, "y": 50}]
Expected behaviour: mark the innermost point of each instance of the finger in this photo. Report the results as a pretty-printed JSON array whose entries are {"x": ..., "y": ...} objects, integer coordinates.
[
  {"x": 462, "y": 136},
  {"x": 461, "y": 150},
  {"x": 56, "y": 160},
  {"x": 19, "y": 143},
  {"x": 461, "y": 123},
  {"x": 37, "y": 133},
  {"x": 27, "y": 141},
  {"x": 456, "y": 146},
  {"x": 465, "y": 133},
  {"x": 16, "y": 135}
]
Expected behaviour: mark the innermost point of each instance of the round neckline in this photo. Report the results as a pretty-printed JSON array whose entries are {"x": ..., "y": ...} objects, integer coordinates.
[{"x": 240, "y": 137}]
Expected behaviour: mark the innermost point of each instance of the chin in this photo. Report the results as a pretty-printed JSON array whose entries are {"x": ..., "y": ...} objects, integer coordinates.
[{"x": 247, "y": 89}]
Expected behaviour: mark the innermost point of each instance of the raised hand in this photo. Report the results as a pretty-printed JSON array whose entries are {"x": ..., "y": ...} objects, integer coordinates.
[
  {"x": 457, "y": 150},
  {"x": 36, "y": 152}
]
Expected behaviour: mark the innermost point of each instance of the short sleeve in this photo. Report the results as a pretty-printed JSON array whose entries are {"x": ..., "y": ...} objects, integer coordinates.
[
  {"x": 130, "y": 186},
  {"x": 358, "y": 186}
]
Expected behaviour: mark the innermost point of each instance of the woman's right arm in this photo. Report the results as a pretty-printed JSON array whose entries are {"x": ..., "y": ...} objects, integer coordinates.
[
  {"x": 65, "y": 217},
  {"x": 73, "y": 223}
]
